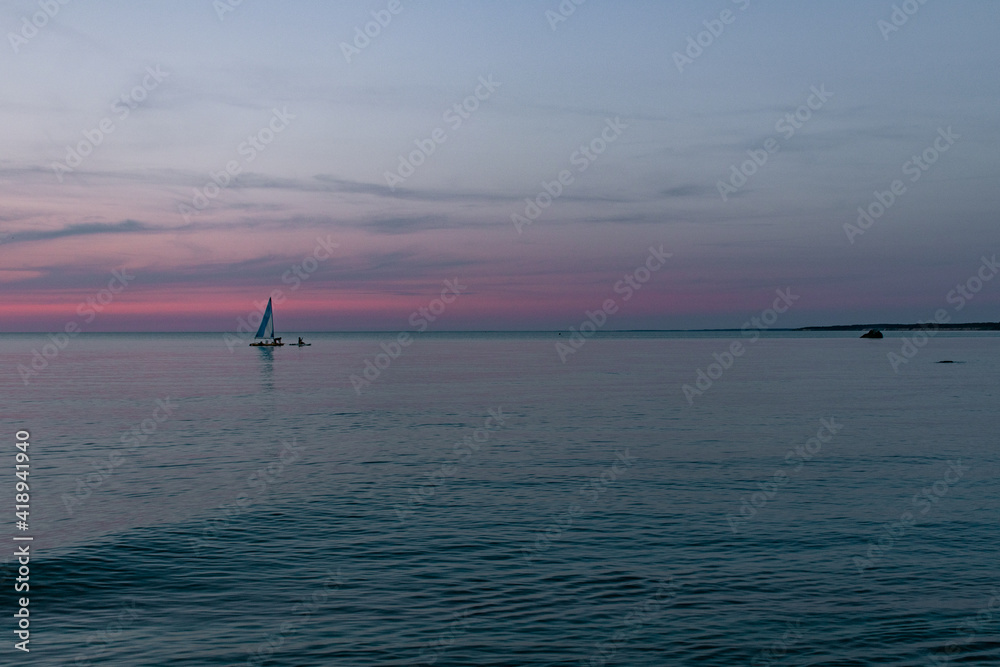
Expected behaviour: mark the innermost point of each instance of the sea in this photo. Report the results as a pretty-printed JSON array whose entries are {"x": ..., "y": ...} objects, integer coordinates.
[{"x": 631, "y": 498}]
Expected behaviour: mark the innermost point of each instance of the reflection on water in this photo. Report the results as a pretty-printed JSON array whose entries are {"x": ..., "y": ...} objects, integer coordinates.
[{"x": 266, "y": 368}]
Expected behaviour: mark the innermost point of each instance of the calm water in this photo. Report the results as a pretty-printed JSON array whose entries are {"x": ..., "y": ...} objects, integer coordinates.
[{"x": 483, "y": 503}]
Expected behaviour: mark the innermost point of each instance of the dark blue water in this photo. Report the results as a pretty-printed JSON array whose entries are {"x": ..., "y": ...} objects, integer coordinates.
[{"x": 481, "y": 502}]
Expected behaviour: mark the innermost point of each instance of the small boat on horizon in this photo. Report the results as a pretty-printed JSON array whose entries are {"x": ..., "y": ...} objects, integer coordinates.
[{"x": 265, "y": 332}]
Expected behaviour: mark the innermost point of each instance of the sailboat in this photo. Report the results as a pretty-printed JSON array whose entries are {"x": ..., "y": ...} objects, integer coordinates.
[{"x": 265, "y": 333}]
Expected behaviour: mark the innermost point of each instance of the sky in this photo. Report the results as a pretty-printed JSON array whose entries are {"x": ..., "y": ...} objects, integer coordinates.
[{"x": 739, "y": 137}]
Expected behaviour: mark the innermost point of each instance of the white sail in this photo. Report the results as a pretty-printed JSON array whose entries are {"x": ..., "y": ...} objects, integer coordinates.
[{"x": 266, "y": 329}]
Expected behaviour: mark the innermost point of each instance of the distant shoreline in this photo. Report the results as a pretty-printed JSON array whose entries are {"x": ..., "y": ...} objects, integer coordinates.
[{"x": 969, "y": 326}]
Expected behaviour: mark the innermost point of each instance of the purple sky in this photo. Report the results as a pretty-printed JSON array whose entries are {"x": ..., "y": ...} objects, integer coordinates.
[{"x": 739, "y": 135}]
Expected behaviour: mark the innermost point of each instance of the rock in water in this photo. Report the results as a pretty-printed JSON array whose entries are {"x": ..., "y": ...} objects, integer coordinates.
[{"x": 872, "y": 333}]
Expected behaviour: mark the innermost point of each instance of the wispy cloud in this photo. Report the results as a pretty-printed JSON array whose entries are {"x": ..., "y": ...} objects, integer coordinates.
[{"x": 82, "y": 229}]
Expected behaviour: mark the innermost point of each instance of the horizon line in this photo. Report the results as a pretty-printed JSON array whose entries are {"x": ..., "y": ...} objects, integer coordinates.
[{"x": 986, "y": 326}]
